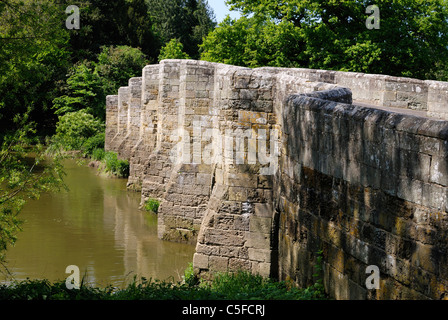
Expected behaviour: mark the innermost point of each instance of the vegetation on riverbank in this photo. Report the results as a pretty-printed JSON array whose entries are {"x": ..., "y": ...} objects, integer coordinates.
[
  {"x": 152, "y": 205},
  {"x": 225, "y": 286}
]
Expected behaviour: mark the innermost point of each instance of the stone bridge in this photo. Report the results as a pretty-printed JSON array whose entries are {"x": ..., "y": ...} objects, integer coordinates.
[{"x": 262, "y": 168}]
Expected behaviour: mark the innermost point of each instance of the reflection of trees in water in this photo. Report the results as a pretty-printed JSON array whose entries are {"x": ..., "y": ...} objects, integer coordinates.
[{"x": 97, "y": 226}]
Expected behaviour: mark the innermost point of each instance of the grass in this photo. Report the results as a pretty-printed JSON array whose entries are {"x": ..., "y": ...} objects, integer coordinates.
[
  {"x": 111, "y": 163},
  {"x": 118, "y": 167},
  {"x": 224, "y": 286}
]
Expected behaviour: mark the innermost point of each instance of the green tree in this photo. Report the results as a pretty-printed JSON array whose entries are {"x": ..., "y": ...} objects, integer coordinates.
[
  {"x": 84, "y": 90},
  {"x": 173, "y": 50},
  {"x": 25, "y": 173},
  {"x": 34, "y": 56},
  {"x": 89, "y": 82},
  {"x": 189, "y": 21},
  {"x": 238, "y": 42},
  {"x": 412, "y": 40},
  {"x": 116, "y": 65},
  {"x": 113, "y": 23}
]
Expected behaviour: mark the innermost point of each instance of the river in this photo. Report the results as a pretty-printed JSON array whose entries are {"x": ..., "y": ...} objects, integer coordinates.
[{"x": 97, "y": 226}]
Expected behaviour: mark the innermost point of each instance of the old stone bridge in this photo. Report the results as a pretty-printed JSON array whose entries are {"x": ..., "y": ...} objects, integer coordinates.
[{"x": 262, "y": 168}]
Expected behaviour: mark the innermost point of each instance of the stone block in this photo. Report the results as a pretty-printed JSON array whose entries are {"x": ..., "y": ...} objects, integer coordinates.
[
  {"x": 217, "y": 263},
  {"x": 257, "y": 240},
  {"x": 260, "y": 225},
  {"x": 260, "y": 255},
  {"x": 439, "y": 171},
  {"x": 264, "y": 210},
  {"x": 236, "y": 264},
  {"x": 200, "y": 261}
]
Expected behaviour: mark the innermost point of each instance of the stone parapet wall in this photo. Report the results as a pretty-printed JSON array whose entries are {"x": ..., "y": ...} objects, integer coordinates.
[
  {"x": 262, "y": 168},
  {"x": 368, "y": 187}
]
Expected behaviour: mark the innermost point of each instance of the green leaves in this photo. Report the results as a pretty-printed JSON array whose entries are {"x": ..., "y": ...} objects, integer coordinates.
[
  {"x": 25, "y": 172},
  {"x": 189, "y": 21},
  {"x": 84, "y": 91},
  {"x": 33, "y": 54},
  {"x": 173, "y": 50},
  {"x": 412, "y": 40},
  {"x": 89, "y": 82},
  {"x": 238, "y": 42},
  {"x": 75, "y": 128}
]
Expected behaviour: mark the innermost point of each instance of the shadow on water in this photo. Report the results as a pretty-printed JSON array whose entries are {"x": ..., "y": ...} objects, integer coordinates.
[{"x": 97, "y": 226}]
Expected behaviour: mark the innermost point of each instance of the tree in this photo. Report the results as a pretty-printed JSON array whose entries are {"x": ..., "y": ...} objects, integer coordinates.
[
  {"x": 189, "y": 21},
  {"x": 89, "y": 82},
  {"x": 25, "y": 173},
  {"x": 173, "y": 50},
  {"x": 34, "y": 57},
  {"x": 116, "y": 65},
  {"x": 412, "y": 40},
  {"x": 84, "y": 90},
  {"x": 113, "y": 23},
  {"x": 238, "y": 42}
]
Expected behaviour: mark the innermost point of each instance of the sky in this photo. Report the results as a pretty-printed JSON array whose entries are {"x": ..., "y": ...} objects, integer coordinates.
[{"x": 221, "y": 10}]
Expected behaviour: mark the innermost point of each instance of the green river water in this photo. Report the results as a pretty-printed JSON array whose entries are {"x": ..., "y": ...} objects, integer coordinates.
[{"x": 98, "y": 227}]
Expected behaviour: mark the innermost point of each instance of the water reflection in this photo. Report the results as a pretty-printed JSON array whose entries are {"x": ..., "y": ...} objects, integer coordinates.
[{"x": 97, "y": 226}]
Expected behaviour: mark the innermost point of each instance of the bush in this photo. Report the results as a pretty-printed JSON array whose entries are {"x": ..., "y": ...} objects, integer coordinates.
[
  {"x": 94, "y": 143},
  {"x": 98, "y": 154},
  {"x": 116, "y": 166},
  {"x": 224, "y": 286},
  {"x": 74, "y": 129},
  {"x": 152, "y": 205}
]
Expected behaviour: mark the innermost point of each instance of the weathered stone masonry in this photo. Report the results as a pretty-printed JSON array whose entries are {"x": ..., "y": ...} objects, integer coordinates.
[{"x": 366, "y": 186}]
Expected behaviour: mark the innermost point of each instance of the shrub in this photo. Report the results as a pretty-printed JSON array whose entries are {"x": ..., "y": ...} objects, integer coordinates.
[
  {"x": 190, "y": 277},
  {"x": 98, "y": 154},
  {"x": 224, "y": 286},
  {"x": 93, "y": 143},
  {"x": 74, "y": 129},
  {"x": 116, "y": 166},
  {"x": 152, "y": 205}
]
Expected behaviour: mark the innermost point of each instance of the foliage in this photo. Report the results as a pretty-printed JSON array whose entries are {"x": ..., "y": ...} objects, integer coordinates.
[
  {"x": 225, "y": 286},
  {"x": 95, "y": 142},
  {"x": 173, "y": 50},
  {"x": 112, "y": 23},
  {"x": 238, "y": 42},
  {"x": 317, "y": 288},
  {"x": 116, "y": 166},
  {"x": 84, "y": 90},
  {"x": 74, "y": 130},
  {"x": 34, "y": 56},
  {"x": 187, "y": 20},
  {"x": 189, "y": 277},
  {"x": 89, "y": 82},
  {"x": 98, "y": 154},
  {"x": 116, "y": 65},
  {"x": 412, "y": 40},
  {"x": 152, "y": 205},
  {"x": 25, "y": 173}
]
